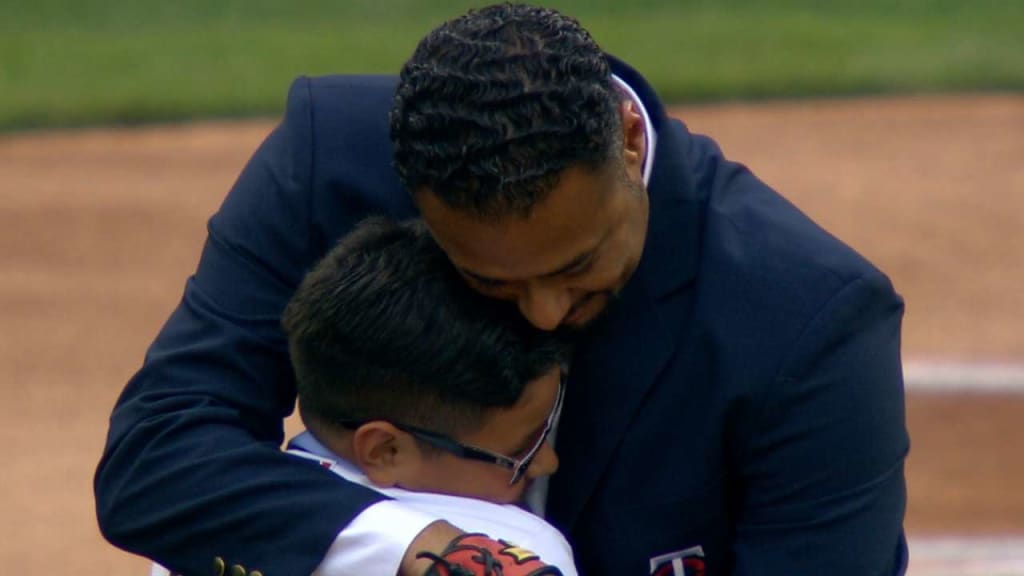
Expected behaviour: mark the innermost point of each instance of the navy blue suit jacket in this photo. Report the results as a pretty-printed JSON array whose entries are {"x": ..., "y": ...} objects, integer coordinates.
[{"x": 744, "y": 395}]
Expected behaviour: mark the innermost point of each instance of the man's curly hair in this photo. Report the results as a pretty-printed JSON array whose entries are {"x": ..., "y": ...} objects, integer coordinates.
[{"x": 495, "y": 104}]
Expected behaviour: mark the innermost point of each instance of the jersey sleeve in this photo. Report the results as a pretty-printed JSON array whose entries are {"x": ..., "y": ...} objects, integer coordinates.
[
  {"x": 374, "y": 543},
  {"x": 823, "y": 488},
  {"x": 192, "y": 475}
]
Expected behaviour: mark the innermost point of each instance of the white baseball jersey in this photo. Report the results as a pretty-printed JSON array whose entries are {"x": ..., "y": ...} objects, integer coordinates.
[{"x": 501, "y": 521}]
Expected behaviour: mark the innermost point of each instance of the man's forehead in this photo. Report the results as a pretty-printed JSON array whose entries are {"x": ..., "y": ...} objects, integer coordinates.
[
  {"x": 572, "y": 263},
  {"x": 569, "y": 225}
]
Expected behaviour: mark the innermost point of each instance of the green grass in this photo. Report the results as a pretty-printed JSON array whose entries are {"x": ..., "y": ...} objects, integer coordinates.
[{"x": 101, "y": 61}]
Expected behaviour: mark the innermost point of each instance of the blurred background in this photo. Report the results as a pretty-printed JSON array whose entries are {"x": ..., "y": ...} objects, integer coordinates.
[
  {"x": 102, "y": 61},
  {"x": 897, "y": 124}
]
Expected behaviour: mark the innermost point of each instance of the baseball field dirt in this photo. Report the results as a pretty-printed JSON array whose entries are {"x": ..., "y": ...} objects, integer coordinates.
[{"x": 99, "y": 229}]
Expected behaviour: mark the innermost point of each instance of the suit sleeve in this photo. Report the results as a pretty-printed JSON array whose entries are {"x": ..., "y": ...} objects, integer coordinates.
[
  {"x": 192, "y": 469},
  {"x": 822, "y": 478}
]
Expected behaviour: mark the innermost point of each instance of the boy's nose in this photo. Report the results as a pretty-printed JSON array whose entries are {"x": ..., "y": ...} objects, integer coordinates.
[{"x": 545, "y": 463}]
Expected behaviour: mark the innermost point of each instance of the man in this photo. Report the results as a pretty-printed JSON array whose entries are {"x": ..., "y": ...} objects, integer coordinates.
[{"x": 735, "y": 405}]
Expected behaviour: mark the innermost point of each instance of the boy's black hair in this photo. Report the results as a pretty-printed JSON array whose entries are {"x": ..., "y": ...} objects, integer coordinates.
[
  {"x": 385, "y": 328},
  {"x": 494, "y": 105}
]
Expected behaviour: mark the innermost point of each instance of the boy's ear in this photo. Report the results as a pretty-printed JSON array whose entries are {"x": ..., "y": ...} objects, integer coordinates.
[{"x": 386, "y": 454}]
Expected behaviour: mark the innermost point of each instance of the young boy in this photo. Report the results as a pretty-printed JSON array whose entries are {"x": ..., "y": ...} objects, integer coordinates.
[{"x": 412, "y": 384}]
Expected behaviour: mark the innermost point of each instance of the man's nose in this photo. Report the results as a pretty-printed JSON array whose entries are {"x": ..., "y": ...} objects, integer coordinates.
[
  {"x": 545, "y": 307},
  {"x": 545, "y": 463}
]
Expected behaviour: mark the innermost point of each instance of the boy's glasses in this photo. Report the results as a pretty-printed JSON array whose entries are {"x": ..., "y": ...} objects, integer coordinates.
[{"x": 519, "y": 466}]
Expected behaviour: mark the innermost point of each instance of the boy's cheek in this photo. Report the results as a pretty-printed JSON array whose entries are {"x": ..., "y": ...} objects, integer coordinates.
[
  {"x": 466, "y": 478},
  {"x": 488, "y": 482},
  {"x": 477, "y": 480}
]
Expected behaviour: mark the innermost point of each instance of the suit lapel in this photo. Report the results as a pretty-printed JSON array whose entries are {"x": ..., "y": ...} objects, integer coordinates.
[
  {"x": 610, "y": 375},
  {"x": 621, "y": 358}
]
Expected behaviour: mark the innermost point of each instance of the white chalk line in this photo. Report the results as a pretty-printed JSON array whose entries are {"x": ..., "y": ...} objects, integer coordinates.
[
  {"x": 964, "y": 377},
  {"x": 966, "y": 555}
]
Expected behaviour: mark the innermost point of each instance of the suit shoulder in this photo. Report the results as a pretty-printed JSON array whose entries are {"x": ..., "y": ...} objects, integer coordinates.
[
  {"x": 337, "y": 130},
  {"x": 767, "y": 270},
  {"x": 754, "y": 232},
  {"x": 341, "y": 96}
]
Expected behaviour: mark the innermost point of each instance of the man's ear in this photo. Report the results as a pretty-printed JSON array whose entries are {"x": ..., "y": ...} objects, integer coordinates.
[
  {"x": 634, "y": 137},
  {"x": 386, "y": 454}
]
